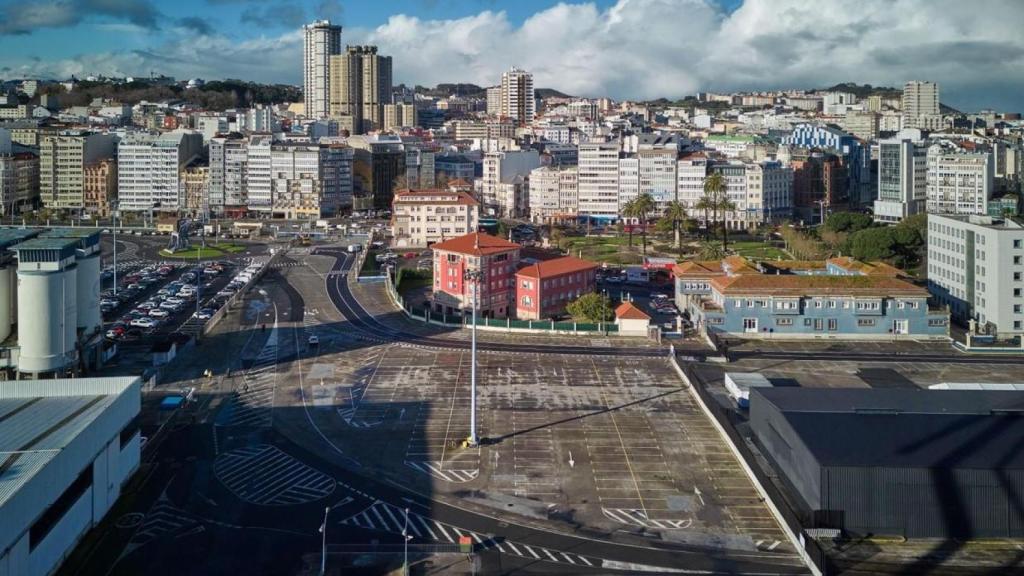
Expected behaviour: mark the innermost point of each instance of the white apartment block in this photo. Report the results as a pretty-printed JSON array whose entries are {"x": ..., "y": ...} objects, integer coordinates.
[
  {"x": 518, "y": 99},
  {"x": 149, "y": 169},
  {"x": 228, "y": 159},
  {"x": 976, "y": 267},
  {"x": 629, "y": 180},
  {"x": 761, "y": 192},
  {"x": 598, "y": 181},
  {"x": 921, "y": 105},
  {"x": 423, "y": 217},
  {"x": 321, "y": 41},
  {"x": 657, "y": 171},
  {"x": 553, "y": 193},
  {"x": 212, "y": 125},
  {"x": 258, "y": 170},
  {"x": 959, "y": 182},
  {"x": 503, "y": 168},
  {"x": 902, "y": 180},
  {"x": 494, "y": 101},
  {"x": 295, "y": 180},
  {"x": 690, "y": 174}
]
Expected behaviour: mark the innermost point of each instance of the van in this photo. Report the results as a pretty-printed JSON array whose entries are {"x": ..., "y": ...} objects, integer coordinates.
[{"x": 353, "y": 248}]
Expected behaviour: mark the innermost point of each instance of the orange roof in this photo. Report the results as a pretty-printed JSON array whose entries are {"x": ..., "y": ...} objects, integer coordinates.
[
  {"x": 476, "y": 244},
  {"x": 813, "y": 285},
  {"x": 556, "y": 267},
  {"x": 435, "y": 196},
  {"x": 706, "y": 268},
  {"x": 459, "y": 183},
  {"x": 628, "y": 311},
  {"x": 867, "y": 268}
]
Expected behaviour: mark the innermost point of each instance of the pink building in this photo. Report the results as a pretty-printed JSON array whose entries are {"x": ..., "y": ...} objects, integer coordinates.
[
  {"x": 494, "y": 258},
  {"x": 545, "y": 288}
]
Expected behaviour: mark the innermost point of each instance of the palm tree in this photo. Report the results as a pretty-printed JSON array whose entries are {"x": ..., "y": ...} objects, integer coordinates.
[
  {"x": 676, "y": 212},
  {"x": 715, "y": 189},
  {"x": 629, "y": 210},
  {"x": 711, "y": 251},
  {"x": 644, "y": 206},
  {"x": 705, "y": 205}
]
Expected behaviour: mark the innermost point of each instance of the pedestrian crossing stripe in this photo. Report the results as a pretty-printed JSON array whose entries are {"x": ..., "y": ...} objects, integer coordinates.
[
  {"x": 437, "y": 470},
  {"x": 164, "y": 518},
  {"x": 635, "y": 517},
  {"x": 384, "y": 517},
  {"x": 348, "y": 415},
  {"x": 267, "y": 476}
]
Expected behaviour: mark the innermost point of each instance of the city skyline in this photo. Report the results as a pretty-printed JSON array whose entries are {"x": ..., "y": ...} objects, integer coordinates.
[{"x": 633, "y": 49}]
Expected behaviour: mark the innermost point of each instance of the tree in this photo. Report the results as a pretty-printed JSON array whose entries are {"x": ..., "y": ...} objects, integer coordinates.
[
  {"x": 591, "y": 307},
  {"x": 676, "y": 213},
  {"x": 400, "y": 183},
  {"x": 716, "y": 191},
  {"x": 847, "y": 222},
  {"x": 644, "y": 206},
  {"x": 629, "y": 210},
  {"x": 705, "y": 205},
  {"x": 710, "y": 251}
]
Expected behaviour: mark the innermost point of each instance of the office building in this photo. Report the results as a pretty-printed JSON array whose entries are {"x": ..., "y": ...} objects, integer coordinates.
[
  {"x": 62, "y": 161},
  {"x": 420, "y": 172},
  {"x": 149, "y": 169},
  {"x": 99, "y": 187},
  {"x": 902, "y": 179},
  {"x": 518, "y": 99},
  {"x": 863, "y": 125},
  {"x": 454, "y": 167},
  {"x": 958, "y": 181},
  {"x": 321, "y": 41},
  {"x": 69, "y": 447},
  {"x": 378, "y": 163},
  {"x": 360, "y": 86},
  {"x": 904, "y": 463},
  {"x": 598, "y": 181},
  {"x": 420, "y": 218},
  {"x": 976, "y": 267},
  {"x": 921, "y": 106}
]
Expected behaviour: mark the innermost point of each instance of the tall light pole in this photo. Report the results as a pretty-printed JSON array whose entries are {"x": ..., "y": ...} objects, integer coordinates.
[
  {"x": 323, "y": 543},
  {"x": 114, "y": 223},
  {"x": 474, "y": 276},
  {"x": 406, "y": 537}
]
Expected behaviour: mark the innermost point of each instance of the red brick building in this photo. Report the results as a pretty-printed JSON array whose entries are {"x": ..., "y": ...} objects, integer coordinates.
[
  {"x": 543, "y": 289},
  {"x": 496, "y": 260}
]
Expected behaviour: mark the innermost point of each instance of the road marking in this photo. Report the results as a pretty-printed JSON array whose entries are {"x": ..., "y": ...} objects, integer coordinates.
[
  {"x": 266, "y": 476},
  {"x": 436, "y": 470}
]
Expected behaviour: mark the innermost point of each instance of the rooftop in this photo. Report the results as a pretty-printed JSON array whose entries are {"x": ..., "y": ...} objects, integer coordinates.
[
  {"x": 815, "y": 285},
  {"x": 556, "y": 267},
  {"x": 476, "y": 244},
  {"x": 51, "y": 243},
  {"x": 629, "y": 311},
  {"x": 904, "y": 427},
  {"x": 435, "y": 196},
  {"x": 866, "y": 268},
  {"x": 11, "y": 236}
]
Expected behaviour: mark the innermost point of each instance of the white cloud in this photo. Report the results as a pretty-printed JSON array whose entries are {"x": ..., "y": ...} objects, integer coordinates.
[{"x": 652, "y": 48}]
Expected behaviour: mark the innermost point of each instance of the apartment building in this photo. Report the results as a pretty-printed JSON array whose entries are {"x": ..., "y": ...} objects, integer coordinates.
[
  {"x": 258, "y": 179},
  {"x": 902, "y": 179},
  {"x": 195, "y": 192},
  {"x": 399, "y": 116},
  {"x": 19, "y": 181},
  {"x": 761, "y": 192},
  {"x": 554, "y": 194},
  {"x": 504, "y": 184},
  {"x": 424, "y": 217},
  {"x": 598, "y": 180},
  {"x": 321, "y": 41},
  {"x": 976, "y": 267},
  {"x": 228, "y": 165},
  {"x": 62, "y": 161},
  {"x": 149, "y": 169},
  {"x": 958, "y": 181},
  {"x": 99, "y": 187},
  {"x": 691, "y": 171},
  {"x": 518, "y": 99},
  {"x": 360, "y": 86}
]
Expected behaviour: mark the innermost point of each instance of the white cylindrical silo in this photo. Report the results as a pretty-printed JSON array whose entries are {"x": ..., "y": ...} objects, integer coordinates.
[
  {"x": 6, "y": 300},
  {"x": 45, "y": 299},
  {"x": 88, "y": 293}
]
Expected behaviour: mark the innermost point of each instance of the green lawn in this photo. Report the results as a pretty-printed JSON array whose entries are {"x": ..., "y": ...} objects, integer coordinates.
[
  {"x": 759, "y": 251},
  {"x": 193, "y": 253},
  {"x": 232, "y": 248},
  {"x": 370, "y": 266},
  {"x": 610, "y": 249}
]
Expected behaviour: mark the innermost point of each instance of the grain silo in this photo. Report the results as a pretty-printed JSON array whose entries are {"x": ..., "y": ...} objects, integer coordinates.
[{"x": 47, "y": 304}]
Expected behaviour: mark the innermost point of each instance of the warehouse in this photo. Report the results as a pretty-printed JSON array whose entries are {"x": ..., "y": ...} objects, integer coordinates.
[
  {"x": 67, "y": 446},
  {"x": 905, "y": 462}
]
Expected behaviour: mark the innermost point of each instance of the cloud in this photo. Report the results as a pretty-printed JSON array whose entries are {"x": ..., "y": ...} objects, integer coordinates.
[
  {"x": 634, "y": 49},
  {"x": 25, "y": 17},
  {"x": 197, "y": 25},
  {"x": 279, "y": 15}
]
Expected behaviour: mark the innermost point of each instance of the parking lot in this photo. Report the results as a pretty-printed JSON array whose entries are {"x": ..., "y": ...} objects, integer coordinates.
[{"x": 612, "y": 443}]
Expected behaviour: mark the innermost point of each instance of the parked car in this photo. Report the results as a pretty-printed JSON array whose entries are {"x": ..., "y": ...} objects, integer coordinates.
[
  {"x": 114, "y": 333},
  {"x": 159, "y": 313},
  {"x": 314, "y": 340},
  {"x": 144, "y": 323}
]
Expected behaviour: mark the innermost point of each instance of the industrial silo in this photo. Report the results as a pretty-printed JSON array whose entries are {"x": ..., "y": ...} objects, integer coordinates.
[
  {"x": 9, "y": 277},
  {"x": 87, "y": 255},
  {"x": 47, "y": 303}
]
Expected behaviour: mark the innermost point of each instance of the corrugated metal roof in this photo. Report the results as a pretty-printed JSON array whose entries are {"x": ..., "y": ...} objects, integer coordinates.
[
  {"x": 48, "y": 244},
  {"x": 906, "y": 428},
  {"x": 11, "y": 236}
]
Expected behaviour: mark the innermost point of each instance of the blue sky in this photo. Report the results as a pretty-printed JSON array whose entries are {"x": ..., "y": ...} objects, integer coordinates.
[{"x": 619, "y": 48}]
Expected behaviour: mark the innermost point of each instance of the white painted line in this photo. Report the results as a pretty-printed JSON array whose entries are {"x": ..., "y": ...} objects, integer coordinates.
[{"x": 530, "y": 550}]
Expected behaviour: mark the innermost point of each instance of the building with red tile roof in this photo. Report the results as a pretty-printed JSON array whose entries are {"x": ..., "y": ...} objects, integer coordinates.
[
  {"x": 545, "y": 288},
  {"x": 632, "y": 321},
  {"x": 424, "y": 217},
  {"x": 458, "y": 259}
]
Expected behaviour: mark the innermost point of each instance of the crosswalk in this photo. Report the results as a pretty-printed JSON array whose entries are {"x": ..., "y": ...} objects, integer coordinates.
[
  {"x": 385, "y": 517},
  {"x": 438, "y": 470},
  {"x": 163, "y": 519},
  {"x": 768, "y": 545},
  {"x": 636, "y": 517},
  {"x": 266, "y": 476},
  {"x": 252, "y": 404}
]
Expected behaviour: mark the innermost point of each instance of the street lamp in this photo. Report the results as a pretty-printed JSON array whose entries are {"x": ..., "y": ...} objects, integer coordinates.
[
  {"x": 475, "y": 276},
  {"x": 407, "y": 537},
  {"x": 113, "y": 204},
  {"x": 323, "y": 543}
]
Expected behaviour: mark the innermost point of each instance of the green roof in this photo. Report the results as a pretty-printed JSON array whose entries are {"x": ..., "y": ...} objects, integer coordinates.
[
  {"x": 47, "y": 244},
  {"x": 11, "y": 236}
]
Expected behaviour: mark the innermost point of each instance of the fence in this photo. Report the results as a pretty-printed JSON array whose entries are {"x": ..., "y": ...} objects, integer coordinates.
[
  {"x": 238, "y": 295},
  {"x": 809, "y": 548},
  {"x": 496, "y": 324}
]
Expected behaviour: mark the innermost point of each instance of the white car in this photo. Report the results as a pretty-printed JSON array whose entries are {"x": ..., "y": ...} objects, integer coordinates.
[
  {"x": 314, "y": 340},
  {"x": 143, "y": 323},
  {"x": 158, "y": 313}
]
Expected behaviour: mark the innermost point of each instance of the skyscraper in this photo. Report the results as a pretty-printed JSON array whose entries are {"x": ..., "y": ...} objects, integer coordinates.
[
  {"x": 921, "y": 105},
  {"x": 322, "y": 40},
  {"x": 360, "y": 87},
  {"x": 517, "y": 96}
]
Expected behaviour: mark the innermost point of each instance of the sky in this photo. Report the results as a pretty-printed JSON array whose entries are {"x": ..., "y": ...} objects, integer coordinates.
[{"x": 625, "y": 49}]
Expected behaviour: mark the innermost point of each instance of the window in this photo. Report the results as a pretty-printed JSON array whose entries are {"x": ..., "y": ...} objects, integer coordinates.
[
  {"x": 783, "y": 321},
  {"x": 1016, "y": 324},
  {"x": 1016, "y": 259},
  {"x": 865, "y": 322},
  {"x": 833, "y": 324},
  {"x": 1018, "y": 243},
  {"x": 527, "y": 301},
  {"x": 817, "y": 303},
  {"x": 938, "y": 322}
]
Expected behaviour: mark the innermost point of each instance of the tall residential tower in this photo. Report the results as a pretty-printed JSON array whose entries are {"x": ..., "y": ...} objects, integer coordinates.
[{"x": 322, "y": 40}]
